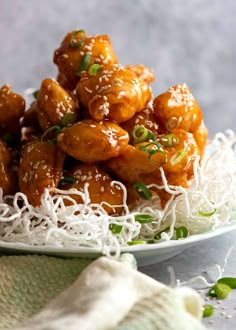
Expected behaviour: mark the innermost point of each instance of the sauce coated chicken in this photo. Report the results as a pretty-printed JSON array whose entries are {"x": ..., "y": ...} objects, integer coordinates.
[
  {"x": 77, "y": 52},
  {"x": 54, "y": 103},
  {"x": 40, "y": 167},
  {"x": 101, "y": 188},
  {"x": 95, "y": 124},
  {"x": 114, "y": 92},
  {"x": 91, "y": 141},
  {"x": 12, "y": 107},
  {"x": 8, "y": 177}
]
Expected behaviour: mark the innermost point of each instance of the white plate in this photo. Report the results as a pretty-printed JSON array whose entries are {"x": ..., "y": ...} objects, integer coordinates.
[{"x": 146, "y": 254}]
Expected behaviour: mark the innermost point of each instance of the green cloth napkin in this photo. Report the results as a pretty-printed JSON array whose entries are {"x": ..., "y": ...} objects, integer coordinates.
[
  {"x": 28, "y": 283},
  {"x": 51, "y": 293}
]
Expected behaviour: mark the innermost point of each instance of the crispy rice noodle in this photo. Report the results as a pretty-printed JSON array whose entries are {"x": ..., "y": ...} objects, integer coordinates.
[{"x": 207, "y": 204}]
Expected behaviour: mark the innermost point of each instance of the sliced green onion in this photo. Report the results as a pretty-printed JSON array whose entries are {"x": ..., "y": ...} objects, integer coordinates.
[
  {"x": 220, "y": 291},
  {"x": 202, "y": 213},
  {"x": 143, "y": 218},
  {"x": 230, "y": 281},
  {"x": 158, "y": 148},
  {"x": 142, "y": 190},
  {"x": 35, "y": 94},
  {"x": 84, "y": 64},
  {"x": 208, "y": 310},
  {"x": 169, "y": 140},
  {"x": 158, "y": 235},
  {"x": 151, "y": 241},
  {"x": 177, "y": 157},
  {"x": 67, "y": 179},
  {"x": 68, "y": 119},
  {"x": 140, "y": 134},
  {"x": 115, "y": 229},
  {"x": 55, "y": 130},
  {"x": 93, "y": 69},
  {"x": 73, "y": 42},
  {"x": 151, "y": 152},
  {"x": 211, "y": 293},
  {"x": 171, "y": 123},
  {"x": 136, "y": 242},
  {"x": 181, "y": 232}
]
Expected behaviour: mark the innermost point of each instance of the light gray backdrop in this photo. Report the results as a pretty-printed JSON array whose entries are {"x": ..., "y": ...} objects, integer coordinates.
[{"x": 183, "y": 41}]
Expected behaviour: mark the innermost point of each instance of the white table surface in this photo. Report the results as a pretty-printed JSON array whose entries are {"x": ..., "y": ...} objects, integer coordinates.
[{"x": 202, "y": 260}]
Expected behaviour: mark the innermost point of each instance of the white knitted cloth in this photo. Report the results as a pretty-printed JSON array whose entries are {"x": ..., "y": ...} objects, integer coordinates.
[{"x": 108, "y": 294}]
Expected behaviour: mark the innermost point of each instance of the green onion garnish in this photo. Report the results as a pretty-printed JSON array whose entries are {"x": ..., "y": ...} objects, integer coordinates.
[
  {"x": 73, "y": 42},
  {"x": 136, "y": 242},
  {"x": 141, "y": 134},
  {"x": 181, "y": 232},
  {"x": 203, "y": 213},
  {"x": 55, "y": 130},
  {"x": 67, "y": 179},
  {"x": 151, "y": 151},
  {"x": 35, "y": 94},
  {"x": 93, "y": 69},
  {"x": 143, "y": 218},
  {"x": 230, "y": 281},
  {"x": 220, "y": 290},
  {"x": 158, "y": 235},
  {"x": 84, "y": 64},
  {"x": 68, "y": 119},
  {"x": 151, "y": 241},
  {"x": 169, "y": 140},
  {"x": 211, "y": 293},
  {"x": 177, "y": 157},
  {"x": 142, "y": 190},
  {"x": 208, "y": 310},
  {"x": 115, "y": 229}
]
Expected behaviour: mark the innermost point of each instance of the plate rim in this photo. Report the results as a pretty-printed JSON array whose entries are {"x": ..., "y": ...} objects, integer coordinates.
[{"x": 23, "y": 247}]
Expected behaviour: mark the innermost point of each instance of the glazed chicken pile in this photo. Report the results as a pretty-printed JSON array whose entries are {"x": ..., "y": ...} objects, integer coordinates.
[{"x": 98, "y": 123}]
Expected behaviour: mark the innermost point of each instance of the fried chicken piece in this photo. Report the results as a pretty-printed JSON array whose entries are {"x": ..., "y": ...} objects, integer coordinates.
[
  {"x": 90, "y": 141},
  {"x": 12, "y": 107},
  {"x": 40, "y": 167},
  {"x": 137, "y": 165},
  {"x": 30, "y": 118},
  {"x": 180, "y": 157},
  {"x": 145, "y": 118},
  {"x": 133, "y": 165},
  {"x": 200, "y": 135},
  {"x": 77, "y": 52},
  {"x": 114, "y": 93},
  {"x": 53, "y": 104},
  {"x": 142, "y": 72},
  {"x": 8, "y": 177},
  {"x": 101, "y": 189},
  {"x": 177, "y": 108}
]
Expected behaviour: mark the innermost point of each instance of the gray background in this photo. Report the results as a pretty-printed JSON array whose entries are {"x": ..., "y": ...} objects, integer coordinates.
[{"x": 183, "y": 41}]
